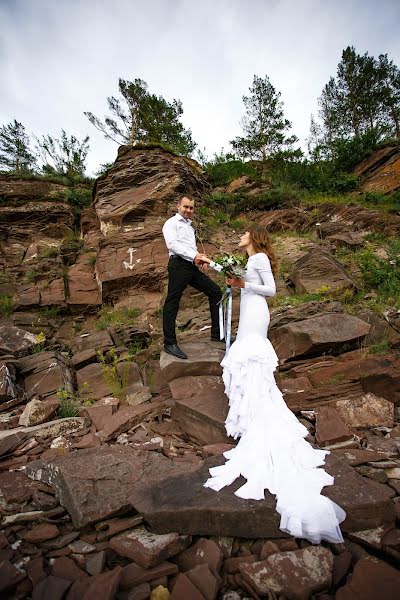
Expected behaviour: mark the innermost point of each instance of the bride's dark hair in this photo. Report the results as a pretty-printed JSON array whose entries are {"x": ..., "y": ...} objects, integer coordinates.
[{"x": 261, "y": 243}]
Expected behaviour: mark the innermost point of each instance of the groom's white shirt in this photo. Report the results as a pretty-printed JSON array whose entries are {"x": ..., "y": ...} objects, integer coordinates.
[{"x": 179, "y": 237}]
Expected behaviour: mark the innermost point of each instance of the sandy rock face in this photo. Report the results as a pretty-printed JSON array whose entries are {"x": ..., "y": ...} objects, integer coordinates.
[{"x": 380, "y": 171}]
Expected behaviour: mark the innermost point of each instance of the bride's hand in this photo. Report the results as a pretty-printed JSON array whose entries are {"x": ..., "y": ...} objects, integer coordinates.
[{"x": 235, "y": 282}]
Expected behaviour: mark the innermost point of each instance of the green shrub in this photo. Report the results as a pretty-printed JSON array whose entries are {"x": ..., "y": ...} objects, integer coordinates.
[
  {"x": 383, "y": 275},
  {"x": 224, "y": 168},
  {"x": 69, "y": 404},
  {"x": 50, "y": 252},
  {"x": 5, "y": 305}
]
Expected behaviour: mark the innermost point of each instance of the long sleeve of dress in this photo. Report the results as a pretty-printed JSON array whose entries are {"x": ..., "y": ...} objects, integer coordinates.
[{"x": 263, "y": 268}]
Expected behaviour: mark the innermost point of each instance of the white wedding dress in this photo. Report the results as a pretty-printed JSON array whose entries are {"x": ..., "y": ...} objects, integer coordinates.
[{"x": 271, "y": 453}]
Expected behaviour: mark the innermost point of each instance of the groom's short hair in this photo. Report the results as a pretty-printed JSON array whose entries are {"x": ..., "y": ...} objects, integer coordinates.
[{"x": 188, "y": 197}]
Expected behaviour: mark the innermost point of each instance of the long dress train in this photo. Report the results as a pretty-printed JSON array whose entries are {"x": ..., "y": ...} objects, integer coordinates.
[{"x": 271, "y": 453}]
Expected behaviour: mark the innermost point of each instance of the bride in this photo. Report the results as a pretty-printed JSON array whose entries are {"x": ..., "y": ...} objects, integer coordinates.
[{"x": 271, "y": 453}]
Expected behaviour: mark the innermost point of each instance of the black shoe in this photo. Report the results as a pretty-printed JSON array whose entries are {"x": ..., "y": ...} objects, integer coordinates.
[{"x": 174, "y": 350}]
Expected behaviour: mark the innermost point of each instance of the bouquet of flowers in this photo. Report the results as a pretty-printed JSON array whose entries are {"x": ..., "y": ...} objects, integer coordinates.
[{"x": 232, "y": 265}]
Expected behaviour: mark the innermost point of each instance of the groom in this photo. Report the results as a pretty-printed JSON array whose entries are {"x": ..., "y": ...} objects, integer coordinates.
[{"x": 183, "y": 270}]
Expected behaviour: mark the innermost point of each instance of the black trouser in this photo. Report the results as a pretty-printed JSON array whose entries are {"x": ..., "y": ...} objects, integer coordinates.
[{"x": 182, "y": 273}]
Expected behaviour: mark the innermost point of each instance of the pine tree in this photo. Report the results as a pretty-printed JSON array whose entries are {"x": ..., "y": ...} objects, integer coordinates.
[
  {"x": 264, "y": 124},
  {"x": 65, "y": 155},
  {"x": 144, "y": 117},
  {"x": 15, "y": 152}
]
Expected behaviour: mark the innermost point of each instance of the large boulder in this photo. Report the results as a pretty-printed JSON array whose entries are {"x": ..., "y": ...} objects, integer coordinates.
[
  {"x": 144, "y": 180},
  {"x": 317, "y": 270},
  {"x": 330, "y": 332}
]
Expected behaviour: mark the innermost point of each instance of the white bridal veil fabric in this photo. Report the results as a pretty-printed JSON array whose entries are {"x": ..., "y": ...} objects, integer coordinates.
[{"x": 271, "y": 453}]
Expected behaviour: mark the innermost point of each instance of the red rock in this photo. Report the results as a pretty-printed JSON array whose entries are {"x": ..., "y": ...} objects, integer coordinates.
[
  {"x": 231, "y": 565},
  {"x": 51, "y": 587},
  {"x": 134, "y": 574},
  {"x": 299, "y": 384},
  {"x": 367, "y": 411},
  {"x": 3, "y": 540},
  {"x": 204, "y": 551},
  {"x": 98, "y": 482},
  {"x": 87, "y": 441},
  {"x": 316, "y": 334},
  {"x": 359, "y": 456},
  {"x": 103, "y": 586},
  {"x": 371, "y": 579},
  {"x": 95, "y": 563},
  {"x": 16, "y": 488},
  {"x": 341, "y": 566},
  {"x": 35, "y": 570},
  {"x": 41, "y": 533},
  {"x": 37, "y": 411},
  {"x": 91, "y": 382},
  {"x": 203, "y": 360},
  {"x": 42, "y": 501},
  {"x": 100, "y": 415},
  {"x": 268, "y": 549},
  {"x": 316, "y": 268},
  {"x": 329, "y": 427},
  {"x": 205, "y": 581},
  {"x": 67, "y": 569},
  {"x": 78, "y": 589},
  {"x": 114, "y": 526},
  {"x": 62, "y": 541},
  {"x": 140, "y": 592},
  {"x": 296, "y": 574},
  {"x": 82, "y": 285},
  {"x": 216, "y": 449},
  {"x": 9, "y": 575},
  {"x": 148, "y": 549},
  {"x": 128, "y": 417},
  {"x": 184, "y": 589}
]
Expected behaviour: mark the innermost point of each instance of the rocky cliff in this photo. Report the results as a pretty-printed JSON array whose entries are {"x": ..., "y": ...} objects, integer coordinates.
[{"x": 105, "y": 443}]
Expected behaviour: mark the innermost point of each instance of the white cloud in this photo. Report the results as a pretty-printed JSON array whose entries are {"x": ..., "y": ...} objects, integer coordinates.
[{"x": 58, "y": 59}]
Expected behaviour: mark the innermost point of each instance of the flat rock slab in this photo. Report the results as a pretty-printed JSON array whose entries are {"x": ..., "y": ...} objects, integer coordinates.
[
  {"x": 94, "y": 484},
  {"x": 296, "y": 574},
  {"x": 203, "y": 359},
  {"x": 148, "y": 549},
  {"x": 182, "y": 504}
]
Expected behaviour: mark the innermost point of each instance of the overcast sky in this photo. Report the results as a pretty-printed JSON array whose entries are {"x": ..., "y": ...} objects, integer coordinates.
[{"x": 59, "y": 58}]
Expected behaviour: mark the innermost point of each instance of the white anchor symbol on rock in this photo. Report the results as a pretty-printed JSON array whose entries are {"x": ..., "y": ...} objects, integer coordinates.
[{"x": 131, "y": 264}]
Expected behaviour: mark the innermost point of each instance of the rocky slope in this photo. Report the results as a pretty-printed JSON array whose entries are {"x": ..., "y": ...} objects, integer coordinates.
[{"x": 105, "y": 444}]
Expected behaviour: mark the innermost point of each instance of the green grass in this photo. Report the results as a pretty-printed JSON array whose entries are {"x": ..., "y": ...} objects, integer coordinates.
[
  {"x": 381, "y": 347},
  {"x": 116, "y": 317}
]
